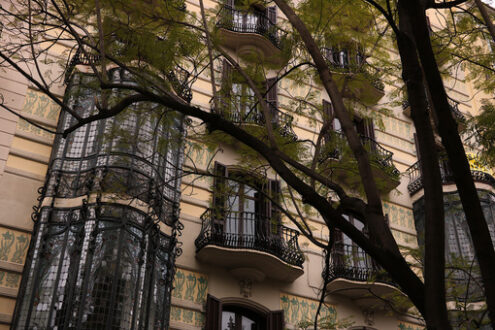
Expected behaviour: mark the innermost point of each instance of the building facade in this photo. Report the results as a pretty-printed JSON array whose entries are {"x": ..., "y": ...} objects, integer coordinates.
[{"x": 118, "y": 237}]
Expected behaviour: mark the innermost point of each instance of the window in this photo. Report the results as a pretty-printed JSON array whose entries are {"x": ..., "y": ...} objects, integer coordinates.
[
  {"x": 257, "y": 19},
  {"x": 229, "y": 316},
  {"x": 238, "y": 99},
  {"x": 347, "y": 252},
  {"x": 244, "y": 214}
]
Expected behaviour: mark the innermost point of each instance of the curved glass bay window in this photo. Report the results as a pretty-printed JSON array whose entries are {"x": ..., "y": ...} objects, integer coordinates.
[
  {"x": 98, "y": 258},
  {"x": 462, "y": 270}
]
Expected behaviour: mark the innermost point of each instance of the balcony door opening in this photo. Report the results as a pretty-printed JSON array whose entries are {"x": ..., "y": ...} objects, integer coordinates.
[
  {"x": 241, "y": 315},
  {"x": 245, "y": 216},
  {"x": 239, "y": 318}
]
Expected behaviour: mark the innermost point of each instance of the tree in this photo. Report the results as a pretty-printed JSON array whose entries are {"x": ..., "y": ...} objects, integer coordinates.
[{"x": 152, "y": 39}]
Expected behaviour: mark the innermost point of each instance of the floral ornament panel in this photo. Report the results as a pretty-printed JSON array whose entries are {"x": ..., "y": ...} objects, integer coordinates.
[
  {"x": 190, "y": 286},
  {"x": 13, "y": 245},
  {"x": 409, "y": 326},
  {"x": 38, "y": 104},
  {"x": 299, "y": 309},
  {"x": 399, "y": 215},
  {"x": 187, "y": 316},
  {"x": 10, "y": 279}
]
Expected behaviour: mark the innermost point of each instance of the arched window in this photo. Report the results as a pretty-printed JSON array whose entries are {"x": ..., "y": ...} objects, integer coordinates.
[{"x": 240, "y": 316}]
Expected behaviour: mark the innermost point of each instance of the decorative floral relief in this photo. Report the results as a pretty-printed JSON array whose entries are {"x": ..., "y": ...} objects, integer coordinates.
[
  {"x": 39, "y": 104},
  {"x": 297, "y": 309},
  {"x": 190, "y": 286},
  {"x": 184, "y": 315},
  {"x": 13, "y": 245},
  {"x": 9, "y": 279},
  {"x": 399, "y": 215}
]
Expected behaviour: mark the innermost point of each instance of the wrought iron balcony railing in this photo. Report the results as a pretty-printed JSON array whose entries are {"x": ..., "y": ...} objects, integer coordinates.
[
  {"x": 253, "y": 21},
  {"x": 416, "y": 177},
  {"x": 248, "y": 230},
  {"x": 344, "y": 61},
  {"x": 246, "y": 110},
  {"x": 377, "y": 154},
  {"x": 454, "y": 107},
  {"x": 179, "y": 78},
  {"x": 352, "y": 263}
]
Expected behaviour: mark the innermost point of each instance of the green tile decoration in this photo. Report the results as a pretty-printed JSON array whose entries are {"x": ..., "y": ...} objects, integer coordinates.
[
  {"x": 10, "y": 279},
  {"x": 39, "y": 104},
  {"x": 190, "y": 286},
  {"x": 13, "y": 245},
  {"x": 187, "y": 316},
  {"x": 297, "y": 309},
  {"x": 193, "y": 287},
  {"x": 399, "y": 215}
]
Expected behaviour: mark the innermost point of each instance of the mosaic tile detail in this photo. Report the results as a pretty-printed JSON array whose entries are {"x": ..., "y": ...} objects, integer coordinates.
[
  {"x": 187, "y": 316},
  {"x": 404, "y": 238},
  {"x": 13, "y": 245},
  {"x": 10, "y": 279},
  {"x": 190, "y": 286},
  {"x": 409, "y": 326},
  {"x": 36, "y": 103},
  {"x": 399, "y": 215},
  {"x": 39, "y": 104},
  {"x": 297, "y": 309}
]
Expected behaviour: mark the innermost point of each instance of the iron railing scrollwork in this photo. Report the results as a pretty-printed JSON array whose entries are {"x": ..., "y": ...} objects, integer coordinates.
[
  {"x": 350, "y": 262},
  {"x": 179, "y": 78},
  {"x": 98, "y": 259},
  {"x": 246, "y": 110},
  {"x": 382, "y": 157},
  {"x": 97, "y": 266},
  {"x": 252, "y": 21},
  {"x": 454, "y": 107},
  {"x": 248, "y": 230},
  {"x": 416, "y": 177}
]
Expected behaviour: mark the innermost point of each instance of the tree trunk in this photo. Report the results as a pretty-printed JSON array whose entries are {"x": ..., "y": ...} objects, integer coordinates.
[
  {"x": 388, "y": 255},
  {"x": 434, "y": 255},
  {"x": 486, "y": 17},
  {"x": 447, "y": 128}
]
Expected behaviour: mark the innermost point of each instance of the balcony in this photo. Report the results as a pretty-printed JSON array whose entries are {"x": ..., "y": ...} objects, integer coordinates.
[
  {"x": 355, "y": 275},
  {"x": 245, "y": 110},
  {"x": 250, "y": 33},
  {"x": 249, "y": 244},
  {"x": 361, "y": 81},
  {"x": 454, "y": 107},
  {"x": 339, "y": 161},
  {"x": 416, "y": 178}
]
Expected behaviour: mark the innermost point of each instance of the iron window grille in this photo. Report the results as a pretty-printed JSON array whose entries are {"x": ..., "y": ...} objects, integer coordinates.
[{"x": 103, "y": 262}]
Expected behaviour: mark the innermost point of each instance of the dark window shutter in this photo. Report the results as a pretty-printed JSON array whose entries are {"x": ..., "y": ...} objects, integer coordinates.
[
  {"x": 369, "y": 129},
  {"x": 213, "y": 313},
  {"x": 328, "y": 113},
  {"x": 275, "y": 215},
  {"x": 226, "y": 78},
  {"x": 219, "y": 195},
  {"x": 271, "y": 12},
  {"x": 272, "y": 98},
  {"x": 275, "y": 320}
]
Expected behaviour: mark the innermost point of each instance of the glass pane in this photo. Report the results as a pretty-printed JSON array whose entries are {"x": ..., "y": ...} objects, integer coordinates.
[{"x": 228, "y": 321}]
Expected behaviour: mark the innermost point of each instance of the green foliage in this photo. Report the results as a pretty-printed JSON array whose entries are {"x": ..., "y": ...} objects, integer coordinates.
[{"x": 482, "y": 129}]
